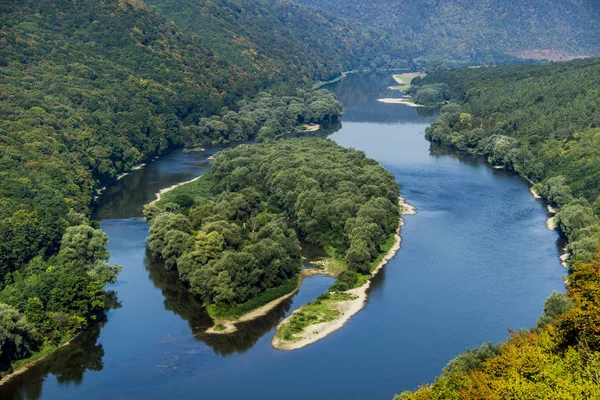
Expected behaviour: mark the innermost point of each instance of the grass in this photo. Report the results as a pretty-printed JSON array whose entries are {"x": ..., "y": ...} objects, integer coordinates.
[
  {"x": 323, "y": 309},
  {"x": 219, "y": 327},
  {"x": 235, "y": 311},
  {"x": 404, "y": 79},
  {"x": 198, "y": 190}
]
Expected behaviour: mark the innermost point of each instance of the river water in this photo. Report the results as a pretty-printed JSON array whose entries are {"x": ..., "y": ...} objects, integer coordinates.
[{"x": 475, "y": 261}]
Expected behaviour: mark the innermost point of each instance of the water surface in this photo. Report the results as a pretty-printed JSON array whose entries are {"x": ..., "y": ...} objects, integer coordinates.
[{"x": 475, "y": 261}]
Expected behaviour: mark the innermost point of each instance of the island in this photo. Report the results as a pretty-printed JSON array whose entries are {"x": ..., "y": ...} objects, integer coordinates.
[{"x": 234, "y": 234}]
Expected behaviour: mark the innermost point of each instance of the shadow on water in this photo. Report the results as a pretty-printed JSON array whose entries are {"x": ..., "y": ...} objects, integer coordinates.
[
  {"x": 178, "y": 299},
  {"x": 68, "y": 365}
]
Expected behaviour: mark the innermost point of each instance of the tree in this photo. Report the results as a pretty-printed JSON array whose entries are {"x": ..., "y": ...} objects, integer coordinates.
[
  {"x": 83, "y": 245},
  {"x": 18, "y": 337}
]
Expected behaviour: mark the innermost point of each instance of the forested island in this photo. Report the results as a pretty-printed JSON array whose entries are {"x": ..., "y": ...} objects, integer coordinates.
[
  {"x": 233, "y": 234},
  {"x": 540, "y": 121}
]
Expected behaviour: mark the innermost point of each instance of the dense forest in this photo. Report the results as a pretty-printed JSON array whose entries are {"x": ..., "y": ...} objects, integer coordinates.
[
  {"x": 268, "y": 37},
  {"x": 233, "y": 234},
  {"x": 89, "y": 90},
  {"x": 267, "y": 116},
  {"x": 479, "y": 32},
  {"x": 541, "y": 121}
]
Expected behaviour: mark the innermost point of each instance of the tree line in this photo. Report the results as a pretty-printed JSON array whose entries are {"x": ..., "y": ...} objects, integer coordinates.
[
  {"x": 267, "y": 116},
  {"x": 233, "y": 233}
]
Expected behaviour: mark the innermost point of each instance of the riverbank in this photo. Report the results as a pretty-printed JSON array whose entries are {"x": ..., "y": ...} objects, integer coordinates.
[
  {"x": 405, "y": 101},
  {"x": 353, "y": 302},
  {"x": 345, "y": 309},
  {"x": 551, "y": 223},
  {"x": 29, "y": 364},
  {"x": 161, "y": 192},
  {"x": 227, "y": 326}
]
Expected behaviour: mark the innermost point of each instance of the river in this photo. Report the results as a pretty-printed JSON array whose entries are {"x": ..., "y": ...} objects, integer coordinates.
[{"x": 476, "y": 260}]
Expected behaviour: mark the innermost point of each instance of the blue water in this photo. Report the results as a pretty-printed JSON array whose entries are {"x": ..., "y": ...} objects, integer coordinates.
[{"x": 475, "y": 261}]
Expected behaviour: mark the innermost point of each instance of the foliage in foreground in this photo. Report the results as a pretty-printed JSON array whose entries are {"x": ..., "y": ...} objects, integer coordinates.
[{"x": 59, "y": 296}]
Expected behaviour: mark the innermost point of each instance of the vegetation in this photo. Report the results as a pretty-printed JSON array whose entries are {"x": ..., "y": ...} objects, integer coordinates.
[
  {"x": 482, "y": 32},
  {"x": 267, "y": 116},
  {"x": 224, "y": 311},
  {"x": 540, "y": 121},
  {"x": 89, "y": 90},
  {"x": 267, "y": 37},
  {"x": 235, "y": 248},
  {"x": 58, "y": 297},
  {"x": 323, "y": 309}
]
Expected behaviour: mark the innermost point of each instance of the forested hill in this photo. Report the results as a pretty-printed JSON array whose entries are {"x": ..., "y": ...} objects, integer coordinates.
[
  {"x": 89, "y": 89},
  {"x": 478, "y": 29},
  {"x": 269, "y": 38}
]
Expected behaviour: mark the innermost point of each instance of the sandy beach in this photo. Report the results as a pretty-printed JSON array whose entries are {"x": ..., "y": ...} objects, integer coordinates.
[
  {"x": 406, "y": 102},
  {"x": 229, "y": 324},
  {"x": 346, "y": 308},
  {"x": 160, "y": 193}
]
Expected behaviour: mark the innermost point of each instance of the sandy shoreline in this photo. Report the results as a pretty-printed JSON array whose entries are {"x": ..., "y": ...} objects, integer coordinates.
[
  {"x": 346, "y": 308},
  {"x": 30, "y": 364},
  {"x": 408, "y": 77},
  {"x": 230, "y": 324},
  {"x": 160, "y": 193},
  {"x": 406, "y": 102},
  {"x": 309, "y": 128}
]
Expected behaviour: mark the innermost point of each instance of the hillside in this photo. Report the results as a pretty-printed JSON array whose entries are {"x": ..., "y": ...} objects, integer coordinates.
[
  {"x": 271, "y": 37},
  {"x": 88, "y": 90},
  {"x": 480, "y": 30}
]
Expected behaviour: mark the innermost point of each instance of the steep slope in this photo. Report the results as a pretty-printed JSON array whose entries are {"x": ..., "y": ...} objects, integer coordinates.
[
  {"x": 267, "y": 37},
  {"x": 478, "y": 29}
]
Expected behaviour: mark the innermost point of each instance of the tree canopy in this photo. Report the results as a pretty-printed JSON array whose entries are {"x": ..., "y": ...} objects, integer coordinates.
[{"x": 238, "y": 242}]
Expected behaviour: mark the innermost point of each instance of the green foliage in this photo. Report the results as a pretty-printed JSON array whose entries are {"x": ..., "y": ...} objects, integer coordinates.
[
  {"x": 225, "y": 311},
  {"x": 484, "y": 31},
  {"x": 263, "y": 38},
  {"x": 472, "y": 359},
  {"x": 267, "y": 116},
  {"x": 234, "y": 246},
  {"x": 555, "y": 305},
  {"x": 18, "y": 337}
]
